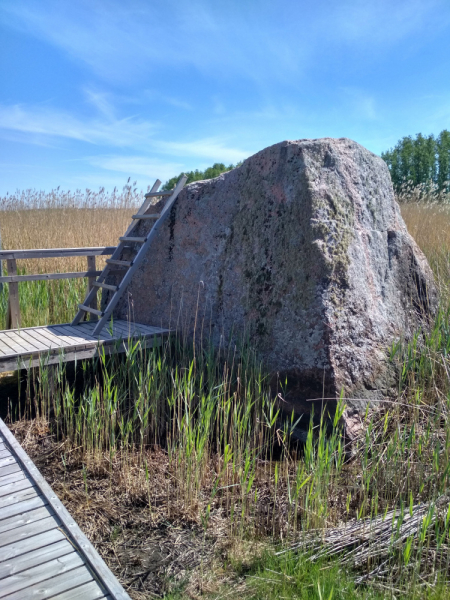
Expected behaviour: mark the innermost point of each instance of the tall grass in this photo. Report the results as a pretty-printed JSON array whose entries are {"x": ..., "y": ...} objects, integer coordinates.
[
  {"x": 230, "y": 452},
  {"x": 32, "y": 219}
]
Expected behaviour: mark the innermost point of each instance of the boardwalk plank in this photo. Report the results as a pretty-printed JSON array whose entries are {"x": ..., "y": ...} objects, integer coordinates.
[
  {"x": 20, "y": 337},
  {"x": 19, "y": 526},
  {"x": 31, "y": 543},
  {"x": 14, "y": 343},
  {"x": 31, "y": 340},
  {"x": 31, "y": 525},
  {"x": 24, "y": 518},
  {"x": 17, "y": 496},
  {"x": 15, "y": 486},
  {"x": 57, "y": 585},
  {"x": 82, "y": 330},
  {"x": 35, "y": 558},
  {"x": 4, "y": 453},
  {"x": 7, "y": 479},
  {"x": 28, "y": 578},
  {"x": 29, "y": 347},
  {"x": 8, "y": 470},
  {"x": 21, "y": 507},
  {"x": 54, "y": 340},
  {"x": 64, "y": 341},
  {"x": 88, "y": 591},
  {"x": 7, "y": 460}
]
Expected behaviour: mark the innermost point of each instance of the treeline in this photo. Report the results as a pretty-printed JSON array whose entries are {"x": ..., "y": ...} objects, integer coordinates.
[
  {"x": 420, "y": 160},
  {"x": 197, "y": 175}
]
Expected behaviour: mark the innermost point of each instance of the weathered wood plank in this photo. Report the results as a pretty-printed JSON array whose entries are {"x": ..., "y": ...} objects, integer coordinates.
[
  {"x": 60, "y": 332},
  {"x": 6, "y": 460},
  {"x": 39, "y": 338},
  {"x": 88, "y": 591},
  {"x": 17, "y": 548},
  {"x": 13, "y": 315},
  {"x": 28, "y": 578},
  {"x": 26, "y": 526},
  {"x": 57, "y": 585},
  {"x": 24, "y": 517},
  {"x": 73, "y": 531},
  {"x": 16, "y": 337},
  {"x": 88, "y": 328},
  {"x": 8, "y": 470},
  {"x": 91, "y": 267},
  {"x": 4, "y": 346},
  {"x": 76, "y": 342},
  {"x": 89, "y": 309},
  {"x": 54, "y": 340},
  {"x": 12, "y": 343},
  {"x": 48, "y": 276},
  {"x": 16, "y": 497},
  {"x": 5, "y": 452},
  {"x": 34, "y": 558},
  {"x": 16, "y": 486},
  {"x": 17, "y": 476},
  {"x": 40, "y": 342},
  {"x": 21, "y": 507},
  {"x": 70, "y": 354},
  {"x": 56, "y": 252}
]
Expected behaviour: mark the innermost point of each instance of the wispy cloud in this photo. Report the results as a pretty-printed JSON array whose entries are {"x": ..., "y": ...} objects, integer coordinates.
[
  {"x": 384, "y": 22},
  {"x": 124, "y": 41},
  {"x": 207, "y": 148},
  {"x": 119, "y": 41},
  {"x": 137, "y": 165},
  {"x": 45, "y": 121}
]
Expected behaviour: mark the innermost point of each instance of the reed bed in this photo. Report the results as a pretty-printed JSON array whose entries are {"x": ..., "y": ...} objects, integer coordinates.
[
  {"x": 32, "y": 219},
  {"x": 191, "y": 441}
]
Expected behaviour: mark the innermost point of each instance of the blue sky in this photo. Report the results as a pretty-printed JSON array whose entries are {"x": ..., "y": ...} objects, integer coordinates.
[{"x": 95, "y": 91}]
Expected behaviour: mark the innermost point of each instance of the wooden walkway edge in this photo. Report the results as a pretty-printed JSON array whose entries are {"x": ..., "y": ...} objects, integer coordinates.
[
  {"x": 51, "y": 344},
  {"x": 43, "y": 552}
]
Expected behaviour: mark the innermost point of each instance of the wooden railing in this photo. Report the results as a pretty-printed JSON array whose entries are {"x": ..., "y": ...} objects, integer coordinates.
[{"x": 13, "y": 279}]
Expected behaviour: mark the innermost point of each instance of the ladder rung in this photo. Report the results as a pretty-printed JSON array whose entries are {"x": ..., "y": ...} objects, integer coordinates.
[
  {"x": 151, "y": 216},
  {"x": 141, "y": 240},
  {"x": 120, "y": 263},
  {"x": 156, "y": 194},
  {"x": 88, "y": 309},
  {"x": 106, "y": 286}
]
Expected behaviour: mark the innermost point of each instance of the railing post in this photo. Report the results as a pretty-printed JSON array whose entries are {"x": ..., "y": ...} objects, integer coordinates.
[
  {"x": 91, "y": 267},
  {"x": 13, "y": 314}
]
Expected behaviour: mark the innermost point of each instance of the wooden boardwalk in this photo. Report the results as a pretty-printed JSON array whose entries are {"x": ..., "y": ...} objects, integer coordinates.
[
  {"x": 43, "y": 552},
  {"x": 32, "y": 346}
]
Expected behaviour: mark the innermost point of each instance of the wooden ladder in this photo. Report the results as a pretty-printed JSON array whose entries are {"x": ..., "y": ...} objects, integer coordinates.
[{"x": 128, "y": 267}]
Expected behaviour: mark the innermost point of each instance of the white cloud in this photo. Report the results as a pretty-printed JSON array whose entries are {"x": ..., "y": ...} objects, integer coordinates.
[
  {"x": 383, "y": 22},
  {"x": 213, "y": 149},
  {"x": 45, "y": 121},
  {"x": 145, "y": 166},
  {"x": 123, "y": 41}
]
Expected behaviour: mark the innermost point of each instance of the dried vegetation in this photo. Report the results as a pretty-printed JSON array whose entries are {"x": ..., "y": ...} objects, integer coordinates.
[{"x": 174, "y": 460}]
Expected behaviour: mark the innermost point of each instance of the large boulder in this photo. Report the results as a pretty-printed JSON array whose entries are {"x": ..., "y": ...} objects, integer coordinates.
[{"x": 304, "y": 250}]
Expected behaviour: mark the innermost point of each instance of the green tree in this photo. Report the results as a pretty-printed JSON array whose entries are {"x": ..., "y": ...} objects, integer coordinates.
[
  {"x": 197, "y": 175},
  {"x": 420, "y": 160},
  {"x": 443, "y": 160}
]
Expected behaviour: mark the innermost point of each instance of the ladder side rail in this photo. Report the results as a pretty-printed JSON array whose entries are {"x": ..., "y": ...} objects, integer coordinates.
[
  {"x": 140, "y": 256},
  {"x": 143, "y": 208},
  {"x": 116, "y": 254}
]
